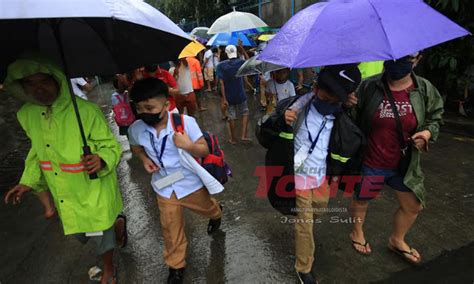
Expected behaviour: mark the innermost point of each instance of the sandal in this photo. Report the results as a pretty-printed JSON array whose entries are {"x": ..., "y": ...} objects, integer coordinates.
[
  {"x": 404, "y": 254},
  {"x": 354, "y": 243},
  {"x": 124, "y": 237}
]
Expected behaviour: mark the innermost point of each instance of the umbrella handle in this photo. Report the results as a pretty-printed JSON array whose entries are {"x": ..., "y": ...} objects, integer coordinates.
[{"x": 87, "y": 151}]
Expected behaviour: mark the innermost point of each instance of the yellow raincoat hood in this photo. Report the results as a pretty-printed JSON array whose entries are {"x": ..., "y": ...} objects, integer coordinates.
[{"x": 32, "y": 64}]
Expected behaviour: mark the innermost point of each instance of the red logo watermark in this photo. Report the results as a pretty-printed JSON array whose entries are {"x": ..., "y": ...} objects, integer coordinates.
[{"x": 272, "y": 177}]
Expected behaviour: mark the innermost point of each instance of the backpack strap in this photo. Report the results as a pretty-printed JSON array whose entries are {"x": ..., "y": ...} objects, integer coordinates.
[
  {"x": 177, "y": 121},
  {"x": 119, "y": 98}
]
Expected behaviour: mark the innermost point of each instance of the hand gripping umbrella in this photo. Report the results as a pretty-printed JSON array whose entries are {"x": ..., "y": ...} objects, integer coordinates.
[{"x": 89, "y": 37}]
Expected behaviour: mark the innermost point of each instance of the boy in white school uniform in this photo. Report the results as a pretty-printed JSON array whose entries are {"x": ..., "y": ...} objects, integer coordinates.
[
  {"x": 154, "y": 141},
  {"x": 313, "y": 119}
]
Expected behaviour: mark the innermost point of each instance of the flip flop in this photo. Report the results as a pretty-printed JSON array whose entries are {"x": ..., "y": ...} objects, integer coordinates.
[
  {"x": 125, "y": 234},
  {"x": 362, "y": 245},
  {"x": 404, "y": 254}
]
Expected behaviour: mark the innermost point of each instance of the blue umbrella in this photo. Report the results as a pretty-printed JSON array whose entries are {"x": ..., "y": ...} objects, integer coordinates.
[
  {"x": 350, "y": 31},
  {"x": 230, "y": 38}
]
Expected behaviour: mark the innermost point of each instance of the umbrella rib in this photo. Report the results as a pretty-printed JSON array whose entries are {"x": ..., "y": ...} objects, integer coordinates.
[
  {"x": 383, "y": 28},
  {"x": 103, "y": 40}
]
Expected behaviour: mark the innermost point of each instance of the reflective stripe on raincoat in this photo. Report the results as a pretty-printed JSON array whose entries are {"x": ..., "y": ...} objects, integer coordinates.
[
  {"x": 196, "y": 73},
  {"x": 54, "y": 160}
]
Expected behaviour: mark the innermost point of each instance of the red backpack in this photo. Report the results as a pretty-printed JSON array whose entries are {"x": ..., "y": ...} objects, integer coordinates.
[
  {"x": 123, "y": 112},
  {"x": 214, "y": 162}
]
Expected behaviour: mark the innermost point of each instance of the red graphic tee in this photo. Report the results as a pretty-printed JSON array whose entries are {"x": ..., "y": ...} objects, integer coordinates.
[{"x": 383, "y": 151}]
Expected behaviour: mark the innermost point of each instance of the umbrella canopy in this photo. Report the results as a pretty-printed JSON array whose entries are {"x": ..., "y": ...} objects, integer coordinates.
[
  {"x": 200, "y": 39},
  {"x": 254, "y": 66},
  {"x": 89, "y": 37},
  {"x": 236, "y": 21},
  {"x": 266, "y": 37},
  {"x": 200, "y": 32},
  {"x": 353, "y": 31},
  {"x": 98, "y": 37},
  {"x": 192, "y": 49},
  {"x": 230, "y": 38}
]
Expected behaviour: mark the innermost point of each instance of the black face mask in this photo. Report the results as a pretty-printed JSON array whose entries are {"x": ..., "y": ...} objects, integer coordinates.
[
  {"x": 151, "y": 119},
  {"x": 398, "y": 69},
  {"x": 324, "y": 107}
]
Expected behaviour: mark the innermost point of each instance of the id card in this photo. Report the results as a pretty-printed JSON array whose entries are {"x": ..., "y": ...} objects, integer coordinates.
[
  {"x": 95, "y": 234},
  {"x": 168, "y": 180},
  {"x": 300, "y": 157}
]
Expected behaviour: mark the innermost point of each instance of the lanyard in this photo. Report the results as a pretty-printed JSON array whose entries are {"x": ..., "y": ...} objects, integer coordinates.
[
  {"x": 163, "y": 145},
  {"x": 313, "y": 142}
]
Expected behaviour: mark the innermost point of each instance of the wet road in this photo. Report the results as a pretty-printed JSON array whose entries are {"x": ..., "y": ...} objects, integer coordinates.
[{"x": 256, "y": 244}]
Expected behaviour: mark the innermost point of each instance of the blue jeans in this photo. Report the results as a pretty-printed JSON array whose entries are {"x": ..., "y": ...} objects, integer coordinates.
[{"x": 379, "y": 177}]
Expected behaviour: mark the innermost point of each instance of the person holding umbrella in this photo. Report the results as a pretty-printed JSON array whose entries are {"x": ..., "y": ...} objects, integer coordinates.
[
  {"x": 88, "y": 208},
  {"x": 312, "y": 117},
  {"x": 400, "y": 113}
]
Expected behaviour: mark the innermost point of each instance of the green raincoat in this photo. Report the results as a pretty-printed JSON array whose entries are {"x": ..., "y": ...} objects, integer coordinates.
[
  {"x": 428, "y": 108},
  {"x": 53, "y": 162}
]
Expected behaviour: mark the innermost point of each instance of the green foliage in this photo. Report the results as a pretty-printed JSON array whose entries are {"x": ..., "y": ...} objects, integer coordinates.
[
  {"x": 202, "y": 12},
  {"x": 446, "y": 65}
]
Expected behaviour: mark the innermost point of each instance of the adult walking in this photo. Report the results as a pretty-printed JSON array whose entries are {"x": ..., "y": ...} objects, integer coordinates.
[{"x": 399, "y": 112}]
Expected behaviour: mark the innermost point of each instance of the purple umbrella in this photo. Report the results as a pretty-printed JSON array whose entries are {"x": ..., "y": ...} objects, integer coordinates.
[{"x": 350, "y": 31}]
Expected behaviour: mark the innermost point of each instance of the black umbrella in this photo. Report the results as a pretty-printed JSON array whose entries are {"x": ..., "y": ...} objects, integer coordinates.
[{"x": 89, "y": 37}]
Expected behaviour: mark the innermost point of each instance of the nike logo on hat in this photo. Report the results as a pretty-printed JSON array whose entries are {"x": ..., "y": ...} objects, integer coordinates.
[{"x": 345, "y": 76}]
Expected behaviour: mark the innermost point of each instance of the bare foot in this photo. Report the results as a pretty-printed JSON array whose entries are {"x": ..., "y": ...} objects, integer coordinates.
[
  {"x": 108, "y": 278},
  {"x": 246, "y": 140},
  {"x": 49, "y": 212},
  {"x": 231, "y": 142},
  {"x": 359, "y": 243},
  {"x": 121, "y": 231}
]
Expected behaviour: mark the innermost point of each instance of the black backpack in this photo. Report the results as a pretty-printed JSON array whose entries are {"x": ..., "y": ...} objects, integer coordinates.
[
  {"x": 273, "y": 125},
  {"x": 345, "y": 147},
  {"x": 275, "y": 135}
]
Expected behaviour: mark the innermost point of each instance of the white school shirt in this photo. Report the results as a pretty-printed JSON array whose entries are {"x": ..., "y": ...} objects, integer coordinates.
[
  {"x": 139, "y": 133},
  {"x": 76, "y": 82},
  {"x": 185, "y": 83},
  {"x": 282, "y": 91},
  {"x": 210, "y": 57},
  {"x": 313, "y": 171}
]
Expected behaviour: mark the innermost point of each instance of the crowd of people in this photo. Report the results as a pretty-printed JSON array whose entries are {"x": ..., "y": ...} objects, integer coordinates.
[{"x": 396, "y": 110}]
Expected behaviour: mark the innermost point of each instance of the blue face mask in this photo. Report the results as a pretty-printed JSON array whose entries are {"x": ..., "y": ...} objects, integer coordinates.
[
  {"x": 398, "y": 69},
  {"x": 326, "y": 108}
]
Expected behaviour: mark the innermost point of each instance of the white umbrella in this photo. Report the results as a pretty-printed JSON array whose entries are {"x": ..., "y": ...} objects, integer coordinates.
[
  {"x": 200, "y": 32},
  {"x": 236, "y": 21}
]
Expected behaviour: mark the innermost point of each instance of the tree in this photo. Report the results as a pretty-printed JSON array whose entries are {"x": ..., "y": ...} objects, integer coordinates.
[
  {"x": 197, "y": 12},
  {"x": 448, "y": 65}
]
